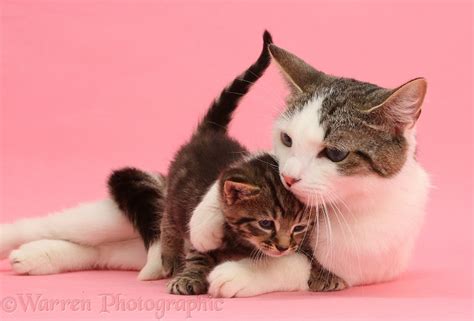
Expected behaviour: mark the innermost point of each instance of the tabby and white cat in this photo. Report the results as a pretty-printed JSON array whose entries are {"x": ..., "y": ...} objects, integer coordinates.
[{"x": 348, "y": 148}]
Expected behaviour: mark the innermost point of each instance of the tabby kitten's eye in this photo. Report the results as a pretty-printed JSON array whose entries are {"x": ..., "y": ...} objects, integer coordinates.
[
  {"x": 336, "y": 155},
  {"x": 299, "y": 228},
  {"x": 286, "y": 139},
  {"x": 266, "y": 224}
]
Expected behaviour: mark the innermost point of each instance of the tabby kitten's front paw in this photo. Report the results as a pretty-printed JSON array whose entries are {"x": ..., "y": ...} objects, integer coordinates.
[
  {"x": 324, "y": 281},
  {"x": 188, "y": 284}
]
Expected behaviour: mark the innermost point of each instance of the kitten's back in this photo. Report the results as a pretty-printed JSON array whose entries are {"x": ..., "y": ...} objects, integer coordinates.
[{"x": 199, "y": 162}]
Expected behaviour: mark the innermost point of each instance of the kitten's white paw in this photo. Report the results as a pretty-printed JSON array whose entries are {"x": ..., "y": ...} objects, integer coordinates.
[
  {"x": 151, "y": 271},
  {"x": 32, "y": 258},
  {"x": 233, "y": 279},
  {"x": 206, "y": 229},
  {"x": 8, "y": 240}
]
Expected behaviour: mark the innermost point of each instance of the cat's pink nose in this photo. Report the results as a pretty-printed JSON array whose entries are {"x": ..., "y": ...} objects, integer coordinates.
[{"x": 290, "y": 180}]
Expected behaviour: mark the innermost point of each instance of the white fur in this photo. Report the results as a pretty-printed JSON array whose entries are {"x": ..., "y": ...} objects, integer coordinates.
[
  {"x": 89, "y": 224},
  {"x": 56, "y": 256},
  {"x": 246, "y": 277},
  {"x": 89, "y": 236},
  {"x": 153, "y": 269},
  {"x": 206, "y": 226},
  {"x": 372, "y": 222}
]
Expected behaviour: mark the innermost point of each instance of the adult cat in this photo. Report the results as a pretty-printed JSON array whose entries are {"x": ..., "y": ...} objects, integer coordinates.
[{"x": 347, "y": 147}]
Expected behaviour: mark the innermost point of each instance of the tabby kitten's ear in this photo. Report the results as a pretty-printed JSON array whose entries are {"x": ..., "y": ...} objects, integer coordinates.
[
  {"x": 403, "y": 105},
  {"x": 300, "y": 76},
  {"x": 235, "y": 192}
]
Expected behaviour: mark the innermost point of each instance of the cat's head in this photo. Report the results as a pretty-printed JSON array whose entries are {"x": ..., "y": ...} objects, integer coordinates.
[
  {"x": 259, "y": 209},
  {"x": 340, "y": 136}
]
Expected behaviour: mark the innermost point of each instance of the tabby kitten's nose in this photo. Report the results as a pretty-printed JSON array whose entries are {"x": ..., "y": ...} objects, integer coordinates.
[
  {"x": 290, "y": 180},
  {"x": 281, "y": 248}
]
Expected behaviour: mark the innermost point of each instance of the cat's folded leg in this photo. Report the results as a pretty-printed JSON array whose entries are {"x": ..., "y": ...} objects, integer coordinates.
[
  {"x": 193, "y": 279},
  {"x": 89, "y": 224},
  {"x": 206, "y": 226},
  {"x": 322, "y": 280},
  {"x": 247, "y": 277},
  {"x": 56, "y": 256}
]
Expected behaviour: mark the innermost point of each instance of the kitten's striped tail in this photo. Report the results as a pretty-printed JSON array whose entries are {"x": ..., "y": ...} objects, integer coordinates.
[
  {"x": 140, "y": 196},
  {"x": 219, "y": 114}
]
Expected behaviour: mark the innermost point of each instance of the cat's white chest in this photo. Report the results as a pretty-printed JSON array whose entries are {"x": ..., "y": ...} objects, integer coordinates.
[{"x": 373, "y": 243}]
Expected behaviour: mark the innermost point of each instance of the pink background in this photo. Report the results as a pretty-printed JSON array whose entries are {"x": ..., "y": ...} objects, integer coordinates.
[{"x": 89, "y": 86}]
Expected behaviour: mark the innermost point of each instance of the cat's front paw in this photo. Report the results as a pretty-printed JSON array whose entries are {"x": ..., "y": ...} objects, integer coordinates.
[
  {"x": 326, "y": 282},
  {"x": 233, "y": 279},
  {"x": 188, "y": 284},
  {"x": 206, "y": 228},
  {"x": 33, "y": 259}
]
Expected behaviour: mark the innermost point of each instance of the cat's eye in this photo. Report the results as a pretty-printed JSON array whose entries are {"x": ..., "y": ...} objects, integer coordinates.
[
  {"x": 299, "y": 228},
  {"x": 335, "y": 155},
  {"x": 266, "y": 224},
  {"x": 286, "y": 139}
]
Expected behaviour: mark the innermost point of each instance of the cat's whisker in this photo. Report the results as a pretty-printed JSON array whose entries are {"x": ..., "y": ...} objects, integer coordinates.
[
  {"x": 306, "y": 208},
  {"x": 336, "y": 214},
  {"x": 329, "y": 229},
  {"x": 317, "y": 223},
  {"x": 348, "y": 226}
]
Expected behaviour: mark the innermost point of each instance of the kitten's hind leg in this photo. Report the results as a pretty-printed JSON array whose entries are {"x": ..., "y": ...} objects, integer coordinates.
[
  {"x": 193, "y": 279},
  {"x": 57, "y": 256},
  {"x": 89, "y": 224}
]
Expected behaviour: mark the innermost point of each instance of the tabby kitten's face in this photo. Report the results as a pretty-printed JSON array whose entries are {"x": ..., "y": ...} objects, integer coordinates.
[
  {"x": 340, "y": 136},
  {"x": 261, "y": 211}
]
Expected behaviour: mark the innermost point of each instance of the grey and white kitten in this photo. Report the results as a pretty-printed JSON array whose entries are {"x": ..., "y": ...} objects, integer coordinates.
[{"x": 348, "y": 148}]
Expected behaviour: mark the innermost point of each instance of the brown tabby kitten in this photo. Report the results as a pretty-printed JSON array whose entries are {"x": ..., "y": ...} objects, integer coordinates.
[{"x": 261, "y": 219}]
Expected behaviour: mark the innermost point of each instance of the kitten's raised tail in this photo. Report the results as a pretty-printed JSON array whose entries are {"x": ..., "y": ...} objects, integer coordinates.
[
  {"x": 140, "y": 196},
  {"x": 219, "y": 114}
]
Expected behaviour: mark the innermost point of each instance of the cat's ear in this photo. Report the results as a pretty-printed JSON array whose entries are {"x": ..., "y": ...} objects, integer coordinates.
[
  {"x": 235, "y": 192},
  {"x": 300, "y": 76},
  {"x": 403, "y": 105}
]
